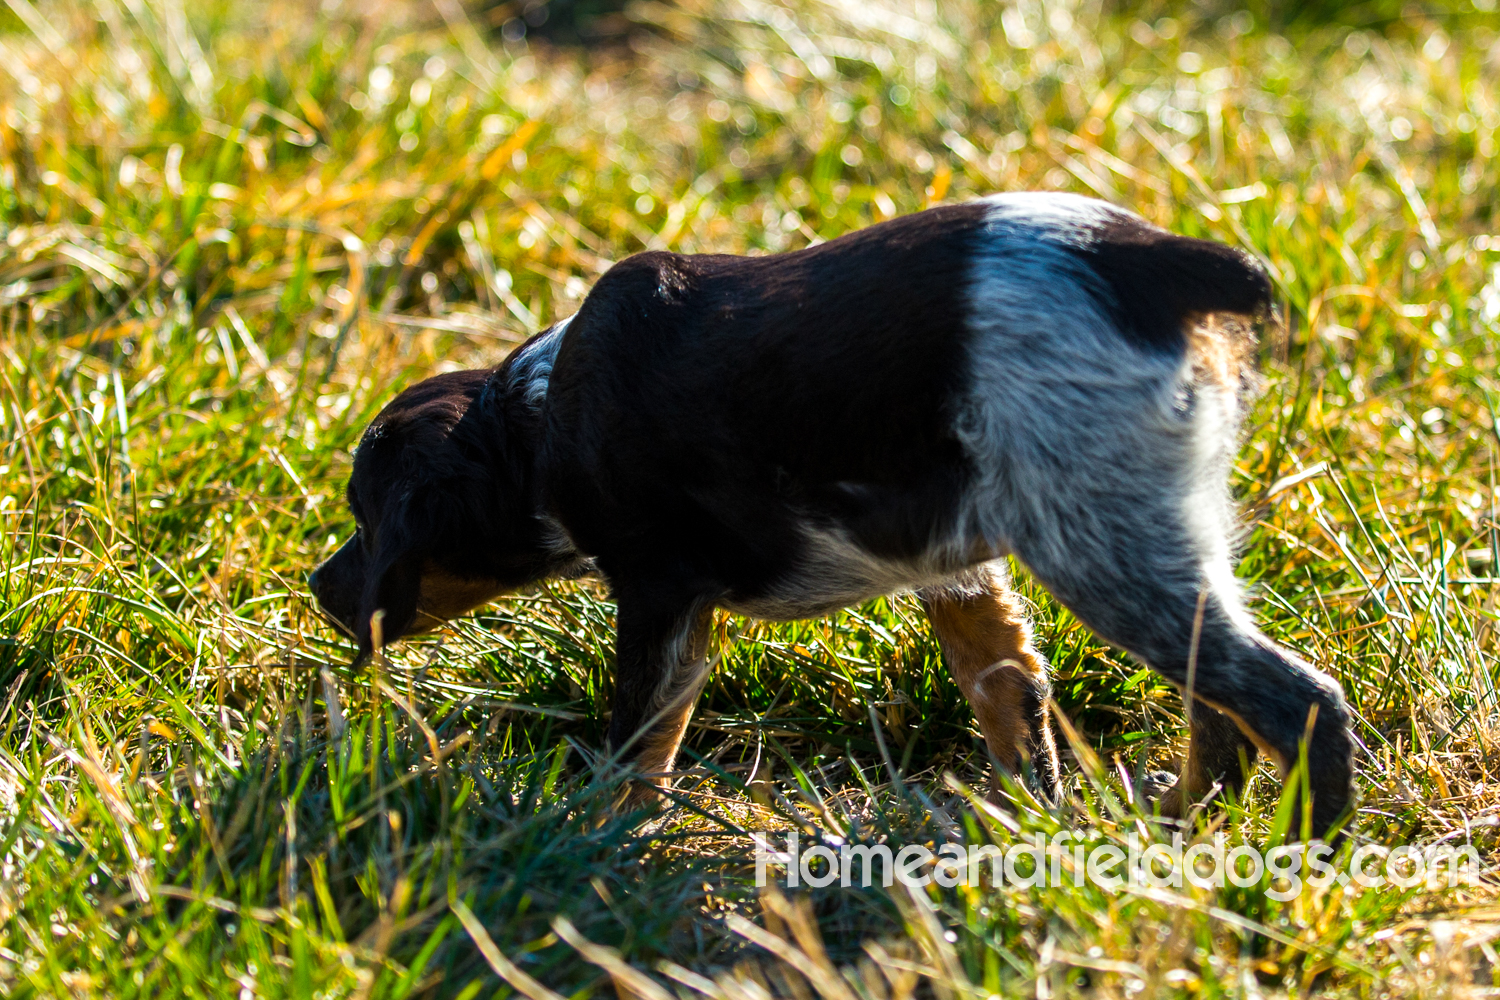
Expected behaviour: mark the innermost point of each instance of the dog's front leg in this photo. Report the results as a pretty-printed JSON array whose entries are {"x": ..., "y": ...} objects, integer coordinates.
[
  {"x": 661, "y": 654},
  {"x": 982, "y": 627}
]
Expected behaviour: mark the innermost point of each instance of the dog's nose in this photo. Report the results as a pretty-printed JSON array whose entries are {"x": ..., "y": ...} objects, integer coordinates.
[{"x": 314, "y": 583}]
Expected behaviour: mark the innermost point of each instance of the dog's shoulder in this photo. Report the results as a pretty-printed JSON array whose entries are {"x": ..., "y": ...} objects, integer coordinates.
[{"x": 640, "y": 286}]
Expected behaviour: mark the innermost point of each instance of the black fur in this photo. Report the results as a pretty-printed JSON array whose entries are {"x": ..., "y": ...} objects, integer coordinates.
[
  {"x": 445, "y": 476},
  {"x": 743, "y": 439}
]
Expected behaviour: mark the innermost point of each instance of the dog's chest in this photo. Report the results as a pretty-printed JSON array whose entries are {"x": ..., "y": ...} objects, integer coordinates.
[{"x": 831, "y": 570}]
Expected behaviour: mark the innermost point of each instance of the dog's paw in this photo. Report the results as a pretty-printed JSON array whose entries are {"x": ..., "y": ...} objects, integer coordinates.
[
  {"x": 1004, "y": 785},
  {"x": 1163, "y": 788},
  {"x": 638, "y": 795}
]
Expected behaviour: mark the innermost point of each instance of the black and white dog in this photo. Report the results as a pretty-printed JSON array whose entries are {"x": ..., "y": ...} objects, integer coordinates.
[{"x": 1041, "y": 375}]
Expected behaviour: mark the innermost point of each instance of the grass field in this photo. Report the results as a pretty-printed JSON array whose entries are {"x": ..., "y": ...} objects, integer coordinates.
[{"x": 232, "y": 232}]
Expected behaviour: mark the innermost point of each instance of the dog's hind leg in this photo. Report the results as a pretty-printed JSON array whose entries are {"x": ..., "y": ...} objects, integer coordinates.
[
  {"x": 661, "y": 663},
  {"x": 1133, "y": 570},
  {"x": 985, "y": 635},
  {"x": 1218, "y": 754},
  {"x": 1103, "y": 467}
]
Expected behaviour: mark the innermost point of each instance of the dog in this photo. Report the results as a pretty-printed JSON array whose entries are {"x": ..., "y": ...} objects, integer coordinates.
[{"x": 1039, "y": 375}]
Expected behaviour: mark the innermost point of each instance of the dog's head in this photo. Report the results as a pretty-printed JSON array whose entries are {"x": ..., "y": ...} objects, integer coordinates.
[{"x": 445, "y": 510}]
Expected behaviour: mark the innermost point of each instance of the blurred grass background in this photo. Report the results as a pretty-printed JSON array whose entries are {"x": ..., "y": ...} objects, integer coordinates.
[{"x": 232, "y": 232}]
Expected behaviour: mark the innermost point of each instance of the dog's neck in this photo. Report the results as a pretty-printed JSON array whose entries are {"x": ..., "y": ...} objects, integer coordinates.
[
  {"x": 524, "y": 378},
  {"x": 531, "y": 367}
]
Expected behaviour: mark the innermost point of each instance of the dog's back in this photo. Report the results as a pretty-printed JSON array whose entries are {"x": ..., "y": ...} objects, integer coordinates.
[{"x": 813, "y": 428}]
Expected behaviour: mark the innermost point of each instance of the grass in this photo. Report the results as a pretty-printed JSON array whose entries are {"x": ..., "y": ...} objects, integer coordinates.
[{"x": 231, "y": 232}]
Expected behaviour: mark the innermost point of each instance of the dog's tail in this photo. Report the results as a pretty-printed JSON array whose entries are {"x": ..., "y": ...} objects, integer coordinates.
[
  {"x": 1201, "y": 276},
  {"x": 1164, "y": 283}
]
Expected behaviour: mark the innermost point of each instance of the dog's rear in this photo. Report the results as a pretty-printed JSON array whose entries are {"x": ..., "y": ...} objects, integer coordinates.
[{"x": 1104, "y": 466}]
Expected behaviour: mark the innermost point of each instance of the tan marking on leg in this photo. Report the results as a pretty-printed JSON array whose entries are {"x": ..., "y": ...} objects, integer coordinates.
[
  {"x": 1193, "y": 783},
  {"x": 986, "y": 641},
  {"x": 658, "y": 748}
]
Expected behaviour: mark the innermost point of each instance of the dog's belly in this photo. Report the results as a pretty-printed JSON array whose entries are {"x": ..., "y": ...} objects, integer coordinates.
[{"x": 833, "y": 571}]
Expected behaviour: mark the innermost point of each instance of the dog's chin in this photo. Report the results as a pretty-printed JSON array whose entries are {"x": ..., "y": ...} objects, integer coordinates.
[
  {"x": 422, "y": 623},
  {"x": 575, "y": 570},
  {"x": 425, "y": 623}
]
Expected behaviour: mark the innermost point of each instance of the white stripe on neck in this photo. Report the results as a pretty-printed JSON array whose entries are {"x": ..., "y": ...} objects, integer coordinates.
[{"x": 532, "y": 368}]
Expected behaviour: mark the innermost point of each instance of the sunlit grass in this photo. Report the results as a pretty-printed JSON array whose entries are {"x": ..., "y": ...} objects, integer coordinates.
[{"x": 232, "y": 232}]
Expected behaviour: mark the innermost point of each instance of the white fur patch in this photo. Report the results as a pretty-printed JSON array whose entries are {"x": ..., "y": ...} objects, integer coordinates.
[
  {"x": 533, "y": 366},
  {"x": 530, "y": 371},
  {"x": 836, "y": 572},
  {"x": 1087, "y": 459},
  {"x": 1066, "y": 218}
]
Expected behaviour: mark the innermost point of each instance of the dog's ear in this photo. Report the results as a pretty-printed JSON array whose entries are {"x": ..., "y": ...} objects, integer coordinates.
[{"x": 391, "y": 588}]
